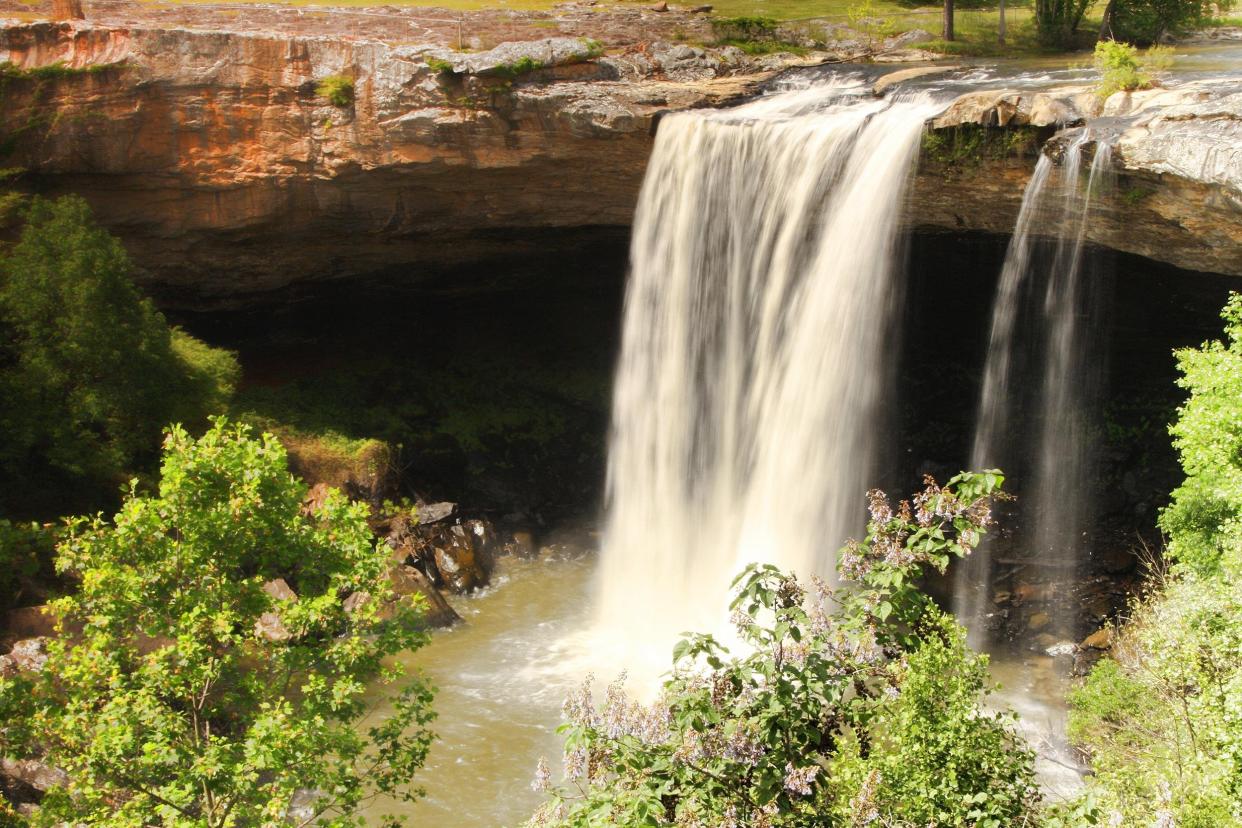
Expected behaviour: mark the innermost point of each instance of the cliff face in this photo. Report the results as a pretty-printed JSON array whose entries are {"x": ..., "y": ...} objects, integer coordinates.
[{"x": 213, "y": 155}]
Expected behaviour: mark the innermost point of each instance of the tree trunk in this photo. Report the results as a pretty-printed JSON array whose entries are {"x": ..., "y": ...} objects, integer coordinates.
[
  {"x": 67, "y": 10},
  {"x": 1000, "y": 28},
  {"x": 947, "y": 33},
  {"x": 1106, "y": 25}
]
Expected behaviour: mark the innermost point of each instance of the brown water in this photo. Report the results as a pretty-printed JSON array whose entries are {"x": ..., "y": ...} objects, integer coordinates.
[{"x": 500, "y": 681}]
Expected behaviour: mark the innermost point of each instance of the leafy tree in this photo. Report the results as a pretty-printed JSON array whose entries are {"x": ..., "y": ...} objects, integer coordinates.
[
  {"x": 853, "y": 706},
  {"x": 1122, "y": 68},
  {"x": 1206, "y": 514},
  {"x": 198, "y": 692},
  {"x": 89, "y": 371},
  {"x": 1162, "y": 718},
  {"x": 1057, "y": 21},
  {"x": 1147, "y": 21}
]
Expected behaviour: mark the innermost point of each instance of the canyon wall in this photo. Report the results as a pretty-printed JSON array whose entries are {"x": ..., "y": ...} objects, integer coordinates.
[{"x": 212, "y": 153}]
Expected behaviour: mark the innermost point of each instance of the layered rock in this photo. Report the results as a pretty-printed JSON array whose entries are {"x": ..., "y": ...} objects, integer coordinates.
[{"x": 210, "y": 151}]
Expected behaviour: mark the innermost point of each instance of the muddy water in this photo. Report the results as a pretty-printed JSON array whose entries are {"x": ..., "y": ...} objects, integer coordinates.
[
  {"x": 503, "y": 673},
  {"x": 500, "y": 685}
]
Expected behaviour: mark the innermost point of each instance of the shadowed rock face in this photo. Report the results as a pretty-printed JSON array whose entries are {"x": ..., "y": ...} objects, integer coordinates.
[{"x": 213, "y": 156}]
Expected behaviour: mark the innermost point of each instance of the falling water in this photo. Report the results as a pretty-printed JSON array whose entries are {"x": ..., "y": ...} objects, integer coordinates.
[
  {"x": 1040, "y": 328},
  {"x": 753, "y": 365}
]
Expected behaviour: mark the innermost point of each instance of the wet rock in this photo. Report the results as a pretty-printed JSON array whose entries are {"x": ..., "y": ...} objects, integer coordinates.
[
  {"x": 1038, "y": 621},
  {"x": 892, "y": 79},
  {"x": 457, "y": 561},
  {"x": 522, "y": 545},
  {"x": 1113, "y": 560},
  {"x": 407, "y": 580}
]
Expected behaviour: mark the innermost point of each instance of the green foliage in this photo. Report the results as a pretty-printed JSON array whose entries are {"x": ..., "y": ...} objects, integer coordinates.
[
  {"x": 196, "y": 697},
  {"x": 1204, "y": 520},
  {"x": 522, "y": 66},
  {"x": 25, "y": 556},
  {"x": 1147, "y": 21},
  {"x": 1057, "y": 21},
  {"x": 1123, "y": 69},
  {"x": 1162, "y": 720},
  {"x": 338, "y": 89},
  {"x": 970, "y": 144},
  {"x": 853, "y": 706},
  {"x": 744, "y": 28},
  {"x": 440, "y": 66},
  {"x": 864, "y": 19},
  {"x": 89, "y": 371}
]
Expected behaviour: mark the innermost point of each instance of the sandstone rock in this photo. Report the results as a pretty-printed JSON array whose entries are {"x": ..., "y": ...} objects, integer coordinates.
[
  {"x": 1038, "y": 621},
  {"x": 458, "y": 563},
  {"x": 1101, "y": 639},
  {"x": 501, "y": 60},
  {"x": 29, "y": 655},
  {"x": 31, "y": 622},
  {"x": 38, "y": 775},
  {"x": 280, "y": 590},
  {"x": 429, "y": 513},
  {"x": 407, "y": 580},
  {"x": 270, "y": 626}
]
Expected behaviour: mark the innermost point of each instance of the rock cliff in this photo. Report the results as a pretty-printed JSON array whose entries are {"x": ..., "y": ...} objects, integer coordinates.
[{"x": 211, "y": 145}]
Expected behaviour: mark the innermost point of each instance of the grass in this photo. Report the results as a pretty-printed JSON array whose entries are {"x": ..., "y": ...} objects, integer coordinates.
[{"x": 338, "y": 89}]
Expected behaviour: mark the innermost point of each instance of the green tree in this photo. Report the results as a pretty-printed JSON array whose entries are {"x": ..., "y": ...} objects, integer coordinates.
[
  {"x": 853, "y": 706},
  {"x": 1206, "y": 513},
  {"x": 1057, "y": 21},
  {"x": 201, "y": 691},
  {"x": 90, "y": 372},
  {"x": 1147, "y": 21},
  {"x": 1162, "y": 718}
]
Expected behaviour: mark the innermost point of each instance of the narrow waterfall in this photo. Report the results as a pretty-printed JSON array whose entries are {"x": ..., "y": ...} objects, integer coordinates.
[
  {"x": 1041, "y": 338},
  {"x": 753, "y": 371}
]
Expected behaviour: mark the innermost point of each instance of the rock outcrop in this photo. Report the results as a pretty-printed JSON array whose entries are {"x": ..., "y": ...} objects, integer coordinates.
[{"x": 207, "y": 144}]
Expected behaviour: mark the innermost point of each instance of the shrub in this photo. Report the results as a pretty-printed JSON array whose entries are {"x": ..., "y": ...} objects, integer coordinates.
[
  {"x": 744, "y": 28},
  {"x": 1148, "y": 21},
  {"x": 1123, "y": 69},
  {"x": 440, "y": 66},
  {"x": 859, "y": 705},
  {"x": 338, "y": 89},
  {"x": 1057, "y": 21},
  {"x": 199, "y": 693},
  {"x": 1205, "y": 517},
  {"x": 522, "y": 66},
  {"x": 89, "y": 371},
  {"x": 1161, "y": 719}
]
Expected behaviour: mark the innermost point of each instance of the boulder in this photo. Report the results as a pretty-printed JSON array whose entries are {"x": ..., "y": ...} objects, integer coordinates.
[
  {"x": 31, "y": 622},
  {"x": 1038, "y": 621},
  {"x": 457, "y": 562},
  {"x": 33, "y": 774},
  {"x": 29, "y": 655},
  {"x": 279, "y": 590},
  {"x": 429, "y": 513},
  {"x": 407, "y": 580},
  {"x": 1101, "y": 639},
  {"x": 522, "y": 545}
]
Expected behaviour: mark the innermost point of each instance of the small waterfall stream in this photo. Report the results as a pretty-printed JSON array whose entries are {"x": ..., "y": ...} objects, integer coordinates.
[
  {"x": 1041, "y": 360},
  {"x": 755, "y": 355}
]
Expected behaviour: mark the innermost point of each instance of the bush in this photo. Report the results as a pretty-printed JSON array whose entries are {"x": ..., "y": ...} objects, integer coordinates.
[
  {"x": 1148, "y": 21},
  {"x": 1122, "y": 69},
  {"x": 1205, "y": 517},
  {"x": 1057, "y": 21},
  {"x": 90, "y": 372},
  {"x": 1162, "y": 720},
  {"x": 200, "y": 694},
  {"x": 744, "y": 28},
  {"x": 338, "y": 89},
  {"x": 853, "y": 706}
]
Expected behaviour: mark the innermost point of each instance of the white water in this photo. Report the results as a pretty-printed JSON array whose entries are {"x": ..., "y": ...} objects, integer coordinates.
[
  {"x": 1041, "y": 328},
  {"x": 756, "y": 355}
]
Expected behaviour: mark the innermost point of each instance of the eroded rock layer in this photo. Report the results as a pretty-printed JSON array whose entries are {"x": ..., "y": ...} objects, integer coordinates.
[{"x": 220, "y": 157}]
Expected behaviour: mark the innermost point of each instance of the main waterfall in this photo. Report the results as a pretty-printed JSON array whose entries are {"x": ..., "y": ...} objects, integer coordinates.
[{"x": 755, "y": 361}]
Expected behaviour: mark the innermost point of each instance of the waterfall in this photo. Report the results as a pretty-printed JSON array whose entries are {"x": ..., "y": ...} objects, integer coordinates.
[
  {"x": 1041, "y": 333},
  {"x": 755, "y": 351}
]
